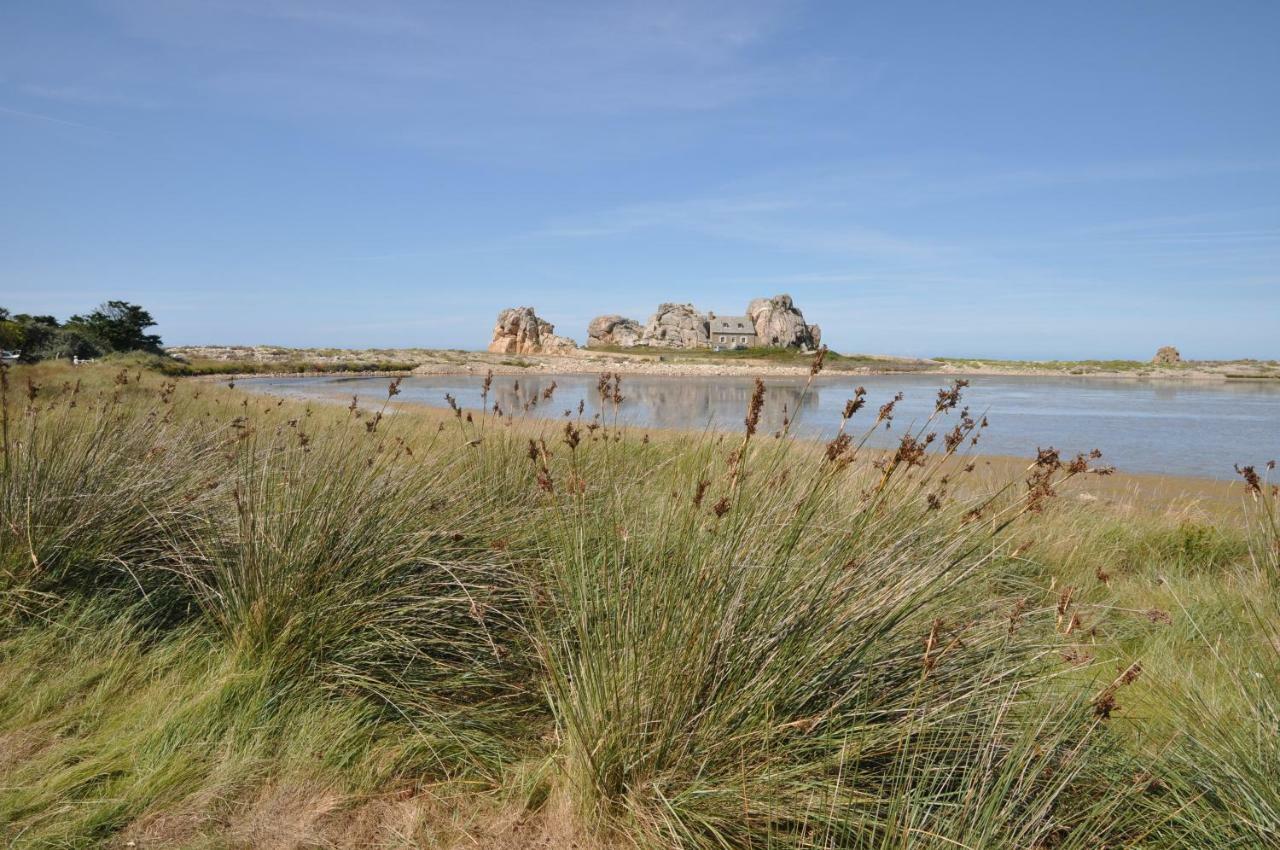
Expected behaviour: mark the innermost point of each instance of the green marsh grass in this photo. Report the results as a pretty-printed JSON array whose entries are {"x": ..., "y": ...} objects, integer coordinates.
[{"x": 230, "y": 620}]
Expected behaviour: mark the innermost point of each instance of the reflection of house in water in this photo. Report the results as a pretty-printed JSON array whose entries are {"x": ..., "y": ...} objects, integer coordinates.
[{"x": 660, "y": 402}]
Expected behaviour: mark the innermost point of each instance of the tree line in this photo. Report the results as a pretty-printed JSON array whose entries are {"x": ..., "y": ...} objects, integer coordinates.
[{"x": 114, "y": 326}]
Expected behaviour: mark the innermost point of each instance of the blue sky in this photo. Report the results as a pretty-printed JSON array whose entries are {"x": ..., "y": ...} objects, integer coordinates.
[{"x": 998, "y": 179}]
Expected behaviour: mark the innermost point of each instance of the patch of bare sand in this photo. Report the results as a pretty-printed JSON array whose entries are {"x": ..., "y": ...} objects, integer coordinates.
[{"x": 297, "y": 816}]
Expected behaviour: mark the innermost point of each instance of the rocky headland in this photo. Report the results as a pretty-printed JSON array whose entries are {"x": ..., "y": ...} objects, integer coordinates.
[
  {"x": 767, "y": 323},
  {"x": 614, "y": 331},
  {"x": 677, "y": 341},
  {"x": 520, "y": 331}
]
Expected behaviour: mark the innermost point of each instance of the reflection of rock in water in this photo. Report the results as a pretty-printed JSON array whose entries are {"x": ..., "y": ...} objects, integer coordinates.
[
  {"x": 530, "y": 395},
  {"x": 662, "y": 404}
]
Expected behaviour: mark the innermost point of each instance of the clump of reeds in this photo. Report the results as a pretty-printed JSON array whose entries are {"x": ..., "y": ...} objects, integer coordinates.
[
  {"x": 712, "y": 676},
  {"x": 1223, "y": 767},
  {"x": 722, "y": 641},
  {"x": 87, "y": 488}
]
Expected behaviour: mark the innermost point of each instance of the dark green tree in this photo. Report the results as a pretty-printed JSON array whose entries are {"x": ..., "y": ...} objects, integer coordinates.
[
  {"x": 25, "y": 332},
  {"x": 36, "y": 333},
  {"x": 116, "y": 326},
  {"x": 11, "y": 335}
]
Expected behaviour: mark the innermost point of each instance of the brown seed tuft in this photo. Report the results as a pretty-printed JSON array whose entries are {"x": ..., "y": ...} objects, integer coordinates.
[
  {"x": 949, "y": 397},
  {"x": 886, "y": 410},
  {"x": 819, "y": 358},
  {"x": 1252, "y": 480},
  {"x": 1015, "y": 615},
  {"x": 854, "y": 404},
  {"x": 910, "y": 451},
  {"x": 837, "y": 448},
  {"x": 753, "y": 409},
  {"x": 700, "y": 492},
  {"x": 572, "y": 435},
  {"x": 1105, "y": 703},
  {"x": 1076, "y": 657}
]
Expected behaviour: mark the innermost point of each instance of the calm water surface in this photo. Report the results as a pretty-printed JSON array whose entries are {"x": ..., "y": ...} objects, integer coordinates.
[{"x": 1177, "y": 429}]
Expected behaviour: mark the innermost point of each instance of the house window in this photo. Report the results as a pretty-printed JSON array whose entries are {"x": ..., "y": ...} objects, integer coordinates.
[
  {"x": 739, "y": 325},
  {"x": 722, "y": 339}
]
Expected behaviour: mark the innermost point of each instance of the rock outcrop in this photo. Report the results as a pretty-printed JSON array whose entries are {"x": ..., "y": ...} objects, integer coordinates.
[
  {"x": 520, "y": 331},
  {"x": 1167, "y": 356},
  {"x": 613, "y": 331},
  {"x": 676, "y": 326},
  {"x": 780, "y": 324}
]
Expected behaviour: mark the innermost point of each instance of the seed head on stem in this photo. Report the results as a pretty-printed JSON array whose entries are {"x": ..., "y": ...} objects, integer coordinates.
[{"x": 754, "y": 408}]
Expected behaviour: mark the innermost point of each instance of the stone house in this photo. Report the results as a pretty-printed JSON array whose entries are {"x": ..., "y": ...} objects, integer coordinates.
[{"x": 731, "y": 331}]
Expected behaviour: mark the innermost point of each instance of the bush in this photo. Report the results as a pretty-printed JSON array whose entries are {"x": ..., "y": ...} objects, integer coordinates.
[{"x": 66, "y": 343}]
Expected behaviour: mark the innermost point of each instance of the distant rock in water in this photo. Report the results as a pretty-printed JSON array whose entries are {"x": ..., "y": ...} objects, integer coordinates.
[
  {"x": 520, "y": 331},
  {"x": 676, "y": 326},
  {"x": 1167, "y": 356},
  {"x": 613, "y": 330},
  {"x": 779, "y": 323}
]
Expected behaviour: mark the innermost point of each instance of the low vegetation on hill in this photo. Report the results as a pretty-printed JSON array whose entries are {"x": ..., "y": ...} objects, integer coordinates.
[
  {"x": 225, "y": 360},
  {"x": 835, "y": 362},
  {"x": 1222, "y": 369},
  {"x": 228, "y": 620}
]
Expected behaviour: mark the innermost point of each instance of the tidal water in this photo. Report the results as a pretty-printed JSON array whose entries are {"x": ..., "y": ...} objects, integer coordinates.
[{"x": 1158, "y": 427}]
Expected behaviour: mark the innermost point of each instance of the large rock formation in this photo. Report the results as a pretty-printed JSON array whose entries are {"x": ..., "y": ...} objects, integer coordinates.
[
  {"x": 1167, "y": 356},
  {"x": 676, "y": 326},
  {"x": 520, "y": 331},
  {"x": 614, "y": 331},
  {"x": 780, "y": 324}
]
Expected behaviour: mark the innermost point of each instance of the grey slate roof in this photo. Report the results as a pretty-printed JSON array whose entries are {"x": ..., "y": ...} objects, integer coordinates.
[{"x": 733, "y": 325}]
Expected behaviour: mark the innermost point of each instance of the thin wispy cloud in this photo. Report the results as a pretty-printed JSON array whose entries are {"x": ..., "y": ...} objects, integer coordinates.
[
  {"x": 808, "y": 224},
  {"x": 78, "y": 94},
  {"x": 24, "y": 115},
  {"x": 610, "y": 58}
]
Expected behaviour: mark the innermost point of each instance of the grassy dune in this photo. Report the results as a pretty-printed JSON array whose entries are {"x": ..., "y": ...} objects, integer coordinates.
[{"x": 232, "y": 621}]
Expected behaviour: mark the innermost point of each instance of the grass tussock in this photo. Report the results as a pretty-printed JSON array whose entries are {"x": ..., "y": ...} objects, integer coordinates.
[{"x": 227, "y": 620}]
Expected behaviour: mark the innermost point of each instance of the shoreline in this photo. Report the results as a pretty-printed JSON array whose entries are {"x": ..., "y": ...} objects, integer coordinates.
[
  {"x": 681, "y": 363},
  {"x": 1172, "y": 492}
]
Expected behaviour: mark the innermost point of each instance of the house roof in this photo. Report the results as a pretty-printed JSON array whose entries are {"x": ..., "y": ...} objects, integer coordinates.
[{"x": 733, "y": 324}]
